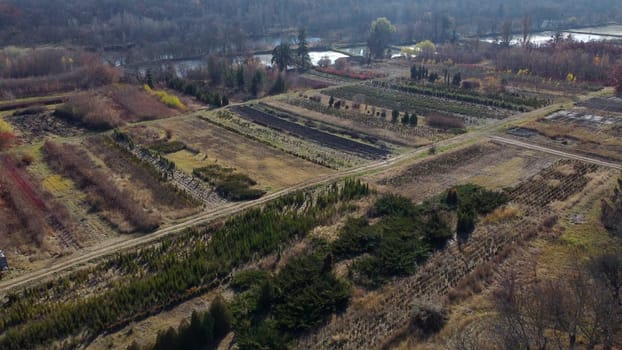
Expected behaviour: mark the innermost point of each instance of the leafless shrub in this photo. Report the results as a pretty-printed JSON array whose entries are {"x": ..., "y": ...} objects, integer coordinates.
[
  {"x": 439, "y": 121},
  {"x": 93, "y": 111},
  {"x": 102, "y": 192},
  {"x": 550, "y": 221},
  {"x": 43, "y": 71},
  {"x": 555, "y": 313}
]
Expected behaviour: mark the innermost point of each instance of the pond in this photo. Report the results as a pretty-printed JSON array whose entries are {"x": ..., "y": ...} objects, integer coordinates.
[
  {"x": 315, "y": 56},
  {"x": 610, "y": 32}
]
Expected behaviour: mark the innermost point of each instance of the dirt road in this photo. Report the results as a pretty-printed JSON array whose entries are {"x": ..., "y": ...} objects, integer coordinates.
[{"x": 556, "y": 152}]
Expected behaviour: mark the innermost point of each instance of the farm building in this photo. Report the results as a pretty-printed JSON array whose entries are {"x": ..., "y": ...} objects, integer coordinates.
[{"x": 3, "y": 263}]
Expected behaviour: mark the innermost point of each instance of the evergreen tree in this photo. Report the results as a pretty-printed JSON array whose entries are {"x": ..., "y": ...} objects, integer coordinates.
[
  {"x": 395, "y": 115},
  {"x": 279, "y": 85},
  {"x": 414, "y": 120},
  {"x": 239, "y": 77},
  {"x": 222, "y": 318},
  {"x": 282, "y": 56},
  {"x": 302, "y": 52},
  {"x": 150, "y": 79},
  {"x": 405, "y": 119},
  {"x": 466, "y": 223},
  {"x": 256, "y": 83},
  {"x": 452, "y": 198},
  {"x": 457, "y": 79}
]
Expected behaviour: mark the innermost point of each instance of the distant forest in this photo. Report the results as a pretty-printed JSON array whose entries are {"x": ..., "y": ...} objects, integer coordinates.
[{"x": 193, "y": 27}]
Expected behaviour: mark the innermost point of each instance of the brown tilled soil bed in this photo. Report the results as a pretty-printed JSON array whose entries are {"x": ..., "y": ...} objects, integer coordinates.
[
  {"x": 31, "y": 127},
  {"x": 488, "y": 164}
]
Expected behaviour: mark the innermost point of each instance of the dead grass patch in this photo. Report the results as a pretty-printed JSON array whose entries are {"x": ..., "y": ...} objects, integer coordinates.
[{"x": 271, "y": 168}]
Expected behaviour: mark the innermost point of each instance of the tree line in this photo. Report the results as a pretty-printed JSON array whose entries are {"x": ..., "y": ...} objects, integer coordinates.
[{"x": 190, "y": 27}]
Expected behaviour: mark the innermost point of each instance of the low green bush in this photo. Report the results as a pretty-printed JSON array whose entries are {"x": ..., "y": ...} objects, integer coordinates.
[
  {"x": 229, "y": 185},
  {"x": 168, "y": 147}
]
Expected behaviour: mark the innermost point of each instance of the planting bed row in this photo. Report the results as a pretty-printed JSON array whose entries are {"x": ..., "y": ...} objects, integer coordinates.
[
  {"x": 369, "y": 121},
  {"x": 420, "y": 104},
  {"x": 120, "y": 161},
  {"x": 36, "y": 123},
  {"x": 29, "y": 213},
  {"x": 556, "y": 183},
  {"x": 333, "y": 141},
  {"x": 583, "y": 118},
  {"x": 514, "y": 102},
  {"x": 610, "y": 104},
  {"x": 441, "y": 164},
  {"x": 295, "y": 146}
]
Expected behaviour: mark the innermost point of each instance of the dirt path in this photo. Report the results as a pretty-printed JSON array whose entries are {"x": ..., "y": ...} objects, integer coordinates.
[{"x": 556, "y": 152}]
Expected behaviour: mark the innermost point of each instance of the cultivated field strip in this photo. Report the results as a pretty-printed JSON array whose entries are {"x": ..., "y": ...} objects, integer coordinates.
[
  {"x": 369, "y": 122},
  {"x": 92, "y": 228},
  {"x": 53, "y": 214},
  {"x": 385, "y": 97},
  {"x": 191, "y": 185},
  {"x": 367, "y": 327},
  {"x": 552, "y": 184},
  {"x": 65, "y": 238},
  {"x": 441, "y": 164},
  {"x": 611, "y": 104},
  {"x": 557, "y": 152},
  {"x": 301, "y": 148},
  {"x": 333, "y": 141}
]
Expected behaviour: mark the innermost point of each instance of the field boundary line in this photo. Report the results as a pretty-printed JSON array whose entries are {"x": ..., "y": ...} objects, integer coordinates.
[{"x": 556, "y": 152}]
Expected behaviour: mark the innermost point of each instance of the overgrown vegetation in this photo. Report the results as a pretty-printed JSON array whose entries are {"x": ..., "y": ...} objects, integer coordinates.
[
  {"x": 204, "y": 331},
  {"x": 102, "y": 192},
  {"x": 229, "y": 184},
  {"x": 582, "y": 307},
  {"x": 407, "y": 234},
  {"x": 92, "y": 112},
  {"x": 47, "y": 70},
  {"x": 302, "y": 296},
  {"x": 169, "y": 277},
  {"x": 611, "y": 212},
  {"x": 199, "y": 90}
]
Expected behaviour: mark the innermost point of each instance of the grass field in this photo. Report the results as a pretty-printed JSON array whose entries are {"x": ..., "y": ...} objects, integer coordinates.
[{"x": 271, "y": 168}]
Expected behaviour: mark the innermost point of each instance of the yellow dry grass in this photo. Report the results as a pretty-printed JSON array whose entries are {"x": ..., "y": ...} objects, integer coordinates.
[
  {"x": 578, "y": 241},
  {"x": 501, "y": 214},
  {"x": 56, "y": 183},
  {"x": 271, "y": 168},
  {"x": 5, "y": 127},
  {"x": 166, "y": 98},
  {"x": 501, "y": 175},
  {"x": 187, "y": 161}
]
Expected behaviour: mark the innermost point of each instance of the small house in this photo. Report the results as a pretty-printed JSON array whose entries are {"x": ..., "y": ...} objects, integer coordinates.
[{"x": 4, "y": 265}]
